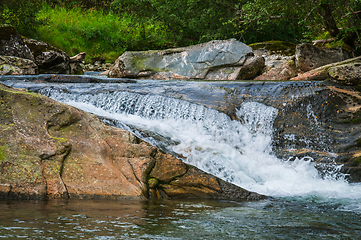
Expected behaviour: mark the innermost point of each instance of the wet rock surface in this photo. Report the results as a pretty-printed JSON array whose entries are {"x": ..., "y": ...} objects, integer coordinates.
[{"x": 52, "y": 150}]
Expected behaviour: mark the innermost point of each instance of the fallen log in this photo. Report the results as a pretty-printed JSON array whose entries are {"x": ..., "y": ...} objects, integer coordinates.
[
  {"x": 323, "y": 41},
  {"x": 78, "y": 58}
]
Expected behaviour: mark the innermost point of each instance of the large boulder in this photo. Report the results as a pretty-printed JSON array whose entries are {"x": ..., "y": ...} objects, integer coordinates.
[
  {"x": 219, "y": 59},
  {"x": 48, "y": 58},
  {"x": 17, "y": 66},
  {"x": 346, "y": 72},
  {"x": 11, "y": 43},
  {"x": 309, "y": 57},
  {"x": 52, "y": 150}
]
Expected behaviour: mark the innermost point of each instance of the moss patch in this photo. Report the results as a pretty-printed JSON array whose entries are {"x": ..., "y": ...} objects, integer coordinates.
[
  {"x": 356, "y": 161},
  {"x": 357, "y": 144},
  {"x": 2, "y": 152},
  {"x": 353, "y": 120}
]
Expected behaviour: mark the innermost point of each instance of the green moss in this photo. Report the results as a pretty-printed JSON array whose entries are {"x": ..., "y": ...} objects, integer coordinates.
[
  {"x": 153, "y": 182},
  {"x": 9, "y": 90},
  {"x": 60, "y": 139},
  {"x": 357, "y": 144},
  {"x": 138, "y": 63},
  {"x": 276, "y": 47},
  {"x": 356, "y": 161},
  {"x": 2, "y": 152},
  {"x": 354, "y": 120}
]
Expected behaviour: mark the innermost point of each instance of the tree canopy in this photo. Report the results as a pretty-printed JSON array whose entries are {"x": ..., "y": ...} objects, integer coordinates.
[{"x": 300, "y": 20}]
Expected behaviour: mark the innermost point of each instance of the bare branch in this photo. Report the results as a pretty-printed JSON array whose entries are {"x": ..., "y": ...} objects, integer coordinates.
[{"x": 323, "y": 41}]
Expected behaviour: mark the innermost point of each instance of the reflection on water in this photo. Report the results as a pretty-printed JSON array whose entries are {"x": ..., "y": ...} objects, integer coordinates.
[{"x": 191, "y": 219}]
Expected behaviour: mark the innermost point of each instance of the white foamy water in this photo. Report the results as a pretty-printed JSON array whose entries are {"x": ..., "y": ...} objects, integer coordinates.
[{"x": 236, "y": 151}]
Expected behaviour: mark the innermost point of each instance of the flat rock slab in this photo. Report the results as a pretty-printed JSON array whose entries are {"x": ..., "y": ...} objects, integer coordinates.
[{"x": 194, "y": 62}]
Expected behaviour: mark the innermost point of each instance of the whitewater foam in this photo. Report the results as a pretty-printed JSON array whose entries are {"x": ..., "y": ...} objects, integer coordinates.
[{"x": 236, "y": 151}]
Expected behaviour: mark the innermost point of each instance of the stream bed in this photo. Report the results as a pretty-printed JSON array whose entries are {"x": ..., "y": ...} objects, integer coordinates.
[{"x": 224, "y": 128}]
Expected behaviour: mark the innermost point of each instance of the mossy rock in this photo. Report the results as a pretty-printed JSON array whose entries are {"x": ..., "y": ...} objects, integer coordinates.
[
  {"x": 356, "y": 161},
  {"x": 276, "y": 47}
]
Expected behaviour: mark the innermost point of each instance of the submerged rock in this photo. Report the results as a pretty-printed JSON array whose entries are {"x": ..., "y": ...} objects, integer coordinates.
[
  {"x": 219, "y": 59},
  {"x": 52, "y": 150}
]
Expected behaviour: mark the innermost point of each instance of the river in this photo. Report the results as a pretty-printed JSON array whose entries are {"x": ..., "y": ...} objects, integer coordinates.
[{"x": 224, "y": 128}]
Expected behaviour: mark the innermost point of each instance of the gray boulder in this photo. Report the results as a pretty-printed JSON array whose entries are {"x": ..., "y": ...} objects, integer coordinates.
[
  {"x": 218, "y": 60},
  {"x": 309, "y": 57},
  {"x": 48, "y": 58},
  {"x": 346, "y": 74},
  {"x": 11, "y": 43},
  {"x": 10, "y": 65}
]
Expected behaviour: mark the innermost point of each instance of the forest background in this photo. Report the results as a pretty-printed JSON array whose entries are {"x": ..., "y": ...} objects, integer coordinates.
[{"x": 104, "y": 29}]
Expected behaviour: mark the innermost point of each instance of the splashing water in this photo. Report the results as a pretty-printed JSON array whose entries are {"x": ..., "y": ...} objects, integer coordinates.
[{"x": 236, "y": 151}]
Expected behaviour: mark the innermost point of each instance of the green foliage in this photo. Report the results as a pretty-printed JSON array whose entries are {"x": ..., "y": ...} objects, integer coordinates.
[
  {"x": 189, "y": 21},
  {"x": 294, "y": 20},
  {"x": 86, "y": 4},
  {"x": 100, "y": 35},
  {"x": 21, "y": 14}
]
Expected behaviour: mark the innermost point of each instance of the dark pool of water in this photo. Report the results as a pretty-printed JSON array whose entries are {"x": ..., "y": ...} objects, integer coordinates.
[{"x": 176, "y": 219}]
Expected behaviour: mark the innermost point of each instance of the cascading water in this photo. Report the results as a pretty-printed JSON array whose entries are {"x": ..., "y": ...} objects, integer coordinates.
[
  {"x": 236, "y": 151},
  {"x": 265, "y": 149}
]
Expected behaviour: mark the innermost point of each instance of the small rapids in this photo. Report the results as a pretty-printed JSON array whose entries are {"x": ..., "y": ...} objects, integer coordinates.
[{"x": 238, "y": 151}]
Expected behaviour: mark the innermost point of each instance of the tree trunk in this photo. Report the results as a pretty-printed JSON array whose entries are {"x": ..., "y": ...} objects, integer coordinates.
[
  {"x": 325, "y": 11},
  {"x": 330, "y": 23}
]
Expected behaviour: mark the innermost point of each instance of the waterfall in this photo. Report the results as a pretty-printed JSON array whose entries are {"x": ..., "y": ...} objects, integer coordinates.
[{"x": 238, "y": 151}]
